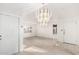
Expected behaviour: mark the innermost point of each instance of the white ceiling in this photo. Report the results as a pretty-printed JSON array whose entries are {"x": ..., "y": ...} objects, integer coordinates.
[
  {"x": 18, "y": 8},
  {"x": 59, "y": 10},
  {"x": 64, "y": 10}
]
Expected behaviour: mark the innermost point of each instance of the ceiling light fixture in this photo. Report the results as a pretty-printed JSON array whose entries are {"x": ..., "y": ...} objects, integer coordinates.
[{"x": 43, "y": 15}]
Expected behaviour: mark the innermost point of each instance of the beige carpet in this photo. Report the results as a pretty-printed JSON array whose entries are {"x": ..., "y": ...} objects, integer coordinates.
[{"x": 46, "y": 46}]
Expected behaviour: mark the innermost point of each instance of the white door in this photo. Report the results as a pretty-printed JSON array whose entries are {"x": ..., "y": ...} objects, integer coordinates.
[
  {"x": 70, "y": 35},
  {"x": 8, "y": 34},
  {"x": 60, "y": 33}
]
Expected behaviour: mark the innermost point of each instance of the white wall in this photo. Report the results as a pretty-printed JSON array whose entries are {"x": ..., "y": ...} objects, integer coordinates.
[
  {"x": 45, "y": 31},
  {"x": 61, "y": 14},
  {"x": 29, "y": 34},
  {"x": 29, "y": 20}
]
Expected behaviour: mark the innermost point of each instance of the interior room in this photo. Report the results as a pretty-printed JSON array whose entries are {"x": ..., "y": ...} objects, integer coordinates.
[{"x": 39, "y": 28}]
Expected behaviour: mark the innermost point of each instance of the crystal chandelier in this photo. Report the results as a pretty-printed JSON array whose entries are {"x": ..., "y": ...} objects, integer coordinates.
[{"x": 43, "y": 15}]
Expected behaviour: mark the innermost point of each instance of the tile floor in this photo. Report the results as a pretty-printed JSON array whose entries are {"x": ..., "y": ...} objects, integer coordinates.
[{"x": 46, "y": 46}]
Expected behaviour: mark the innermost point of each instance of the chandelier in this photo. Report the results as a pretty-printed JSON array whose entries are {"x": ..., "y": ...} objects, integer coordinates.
[{"x": 43, "y": 15}]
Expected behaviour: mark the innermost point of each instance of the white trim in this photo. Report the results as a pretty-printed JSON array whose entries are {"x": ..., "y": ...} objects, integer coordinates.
[{"x": 20, "y": 44}]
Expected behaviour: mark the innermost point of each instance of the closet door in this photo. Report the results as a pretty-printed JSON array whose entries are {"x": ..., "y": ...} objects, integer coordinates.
[
  {"x": 70, "y": 35},
  {"x": 60, "y": 33},
  {"x": 8, "y": 34}
]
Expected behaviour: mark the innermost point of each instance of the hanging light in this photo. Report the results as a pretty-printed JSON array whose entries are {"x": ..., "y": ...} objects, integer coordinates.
[{"x": 43, "y": 15}]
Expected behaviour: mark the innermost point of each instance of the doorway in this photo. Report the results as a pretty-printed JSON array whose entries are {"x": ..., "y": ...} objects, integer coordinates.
[{"x": 70, "y": 33}]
